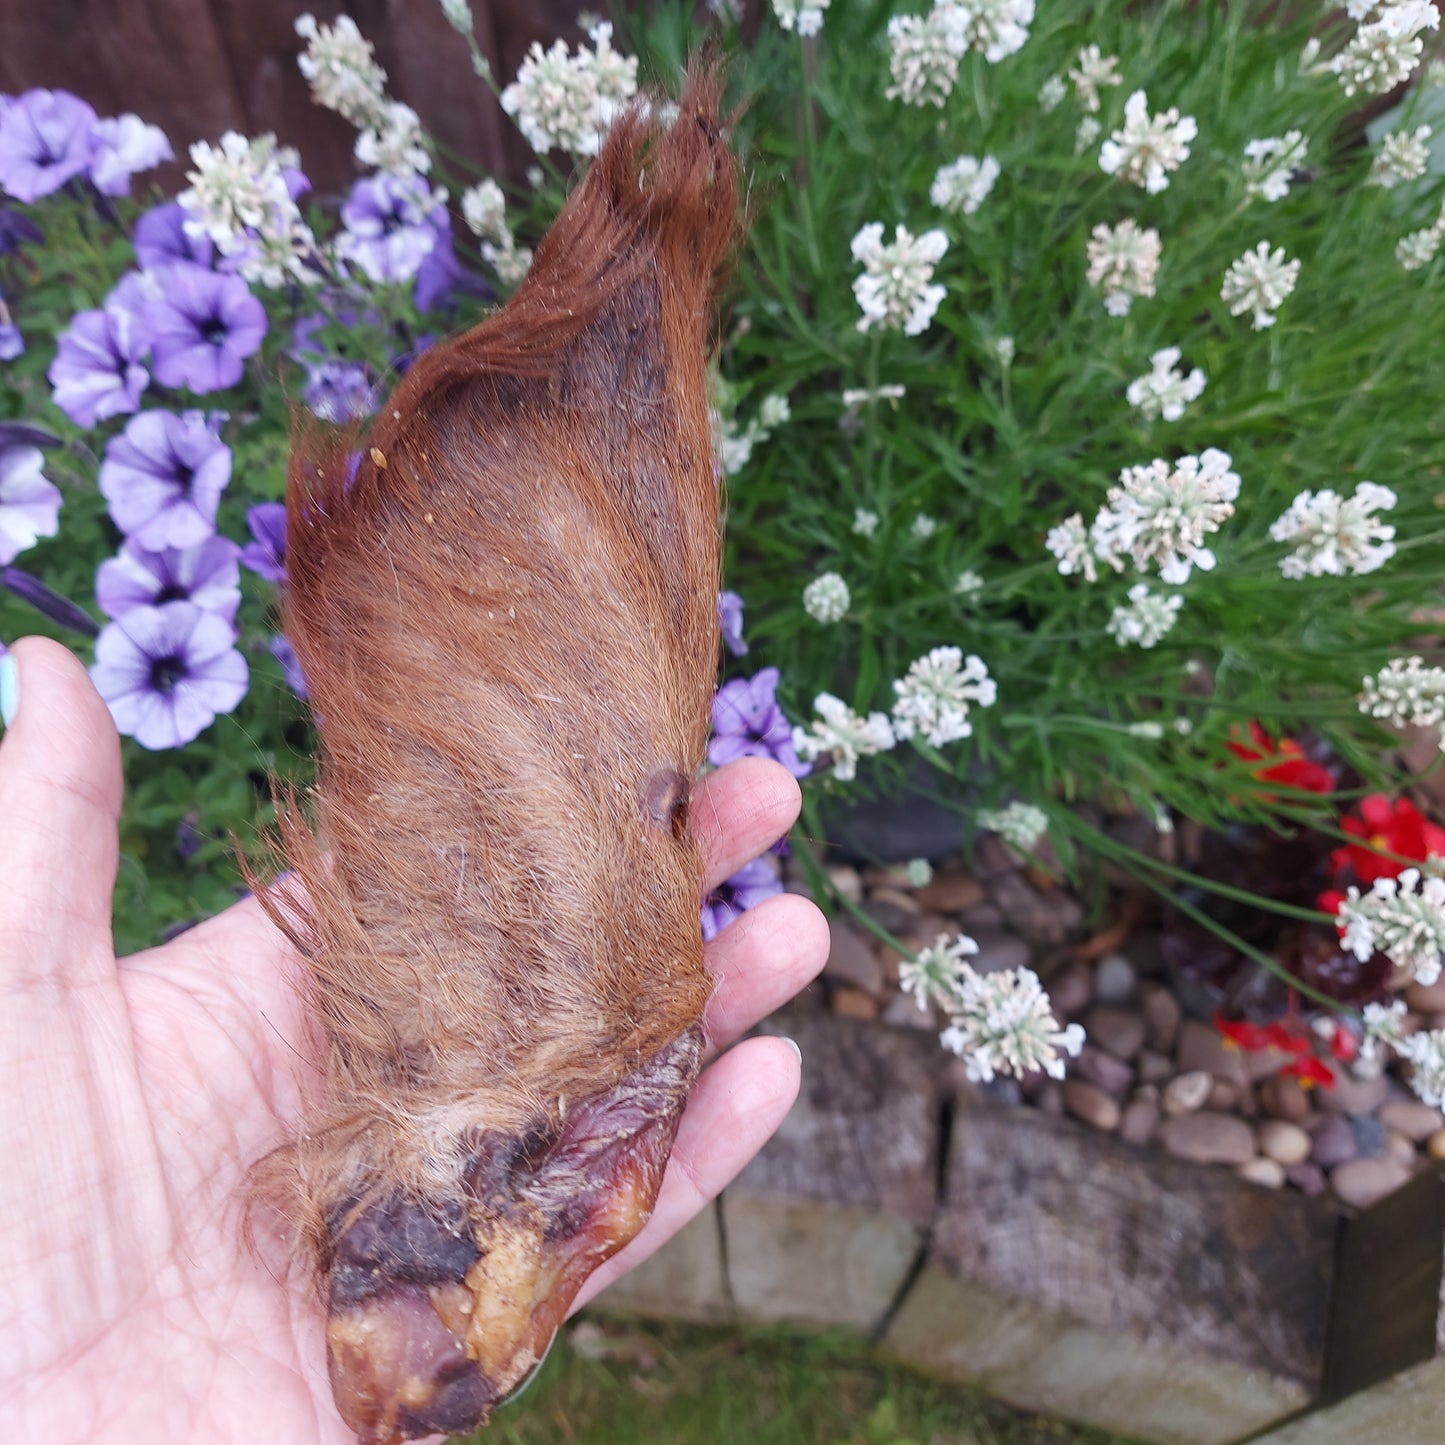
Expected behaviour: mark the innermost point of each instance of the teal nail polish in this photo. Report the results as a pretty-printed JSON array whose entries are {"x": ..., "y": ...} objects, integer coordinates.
[{"x": 9, "y": 689}]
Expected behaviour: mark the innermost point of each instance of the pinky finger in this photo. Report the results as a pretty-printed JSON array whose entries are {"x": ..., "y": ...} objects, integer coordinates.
[{"x": 734, "y": 1110}]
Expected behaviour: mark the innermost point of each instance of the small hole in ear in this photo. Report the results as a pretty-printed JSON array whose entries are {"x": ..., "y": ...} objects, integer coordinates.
[{"x": 668, "y": 796}]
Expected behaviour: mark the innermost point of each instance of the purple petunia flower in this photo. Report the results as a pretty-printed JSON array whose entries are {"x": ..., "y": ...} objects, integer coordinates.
[
  {"x": 388, "y": 232},
  {"x": 266, "y": 554},
  {"x": 730, "y": 622},
  {"x": 203, "y": 328},
  {"x": 29, "y": 504},
  {"x": 17, "y": 230},
  {"x": 167, "y": 672},
  {"x": 12, "y": 342},
  {"x": 285, "y": 654},
  {"x": 122, "y": 147},
  {"x": 45, "y": 139},
  {"x": 97, "y": 372},
  {"x": 207, "y": 574},
  {"x": 47, "y": 601},
  {"x": 163, "y": 477},
  {"x": 339, "y": 391},
  {"x": 745, "y": 889},
  {"x": 747, "y": 722},
  {"x": 161, "y": 239}
]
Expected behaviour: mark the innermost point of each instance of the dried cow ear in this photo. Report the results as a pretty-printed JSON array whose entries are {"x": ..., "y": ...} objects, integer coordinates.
[{"x": 503, "y": 600}]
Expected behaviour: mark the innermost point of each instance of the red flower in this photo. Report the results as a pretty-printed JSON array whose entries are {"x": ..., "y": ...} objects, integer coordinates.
[
  {"x": 1253, "y": 1038},
  {"x": 1309, "y": 1071},
  {"x": 1285, "y": 762},
  {"x": 1397, "y": 827}
]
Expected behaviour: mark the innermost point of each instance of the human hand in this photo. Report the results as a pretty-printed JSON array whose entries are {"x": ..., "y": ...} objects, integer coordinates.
[{"x": 136, "y": 1093}]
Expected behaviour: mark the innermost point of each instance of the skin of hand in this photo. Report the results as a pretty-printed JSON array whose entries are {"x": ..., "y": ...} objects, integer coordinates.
[{"x": 135, "y": 1093}]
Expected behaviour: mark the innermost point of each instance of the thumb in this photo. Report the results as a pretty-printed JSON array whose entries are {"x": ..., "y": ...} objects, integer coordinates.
[{"x": 60, "y": 794}]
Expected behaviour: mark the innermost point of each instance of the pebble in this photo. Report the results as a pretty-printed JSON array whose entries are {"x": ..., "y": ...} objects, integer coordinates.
[
  {"x": 1397, "y": 1146},
  {"x": 950, "y": 893},
  {"x": 1436, "y": 1146},
  {"x": 1115, "y": 980},
  {"x": 1283, "y": 1098},
  {"x": 1119, "y": 1030},
  {"x": 1426, "y": 999},
  {"x": 1137, "y": 1125},
  {"x": 1334, "y": 1142},
  {"x": 846, "y": 882},
  {"x": 1363, "y": 1182},
  {"x": 1307, "y": 1178},
  {"x": 1412, "y": 1118},
  {"x": 998, "y": 951},
  {"x": 1154, "y": 1068},
  {"x": 1268, "y": 1173},
  {"x": 1051, "y": 1098},
  {"x": 902, "y": 1012},
  {"x": 1112, "y": 1075},
  {"x": 905, "y": 903},
  {"x": 1090, "y": 1103},
  {"x": 1224, "y": 1095},
  {"x": 981, "y": 915},
  {"x": 851, "y": 958},
  {"x": 853, "y": 1003},
  {"x": 1369, "y": 1136},
  {"x": 1209, "y": 1138},
  {"x": 1162, "y": 1017},
  {"x": 1072, "y": 990},
  {"x": 888, "y": 914},
  {"x": 1188, "y": 1092},
  {"x": 1040, "y": 917},
  {"x": 1283, "y": 1141},
  {"x": 1201, "y": 1049},
  {"x": 1354, "y": 1096}
]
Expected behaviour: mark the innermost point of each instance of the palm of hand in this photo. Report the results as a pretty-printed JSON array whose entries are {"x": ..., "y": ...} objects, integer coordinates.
[{"x": 135, "y": 1095}]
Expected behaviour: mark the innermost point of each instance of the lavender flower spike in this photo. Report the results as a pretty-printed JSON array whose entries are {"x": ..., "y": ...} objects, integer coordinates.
[
  {"x": 266, "y": 555},
  {"x": 747, "y": 722},
  {"x": 29, "y": 504},
  {"x": 97, "y": 372},
  {"x": 730, "y": 623},
  {"x": 748, "y": 887},
  {"x": 163, "y": 478},
  {"x": 167, "y": 672},
  {"x": 203, "y": 328},
  {"x": 208, "y": 575},
  {"x": 45, "y": 139}
]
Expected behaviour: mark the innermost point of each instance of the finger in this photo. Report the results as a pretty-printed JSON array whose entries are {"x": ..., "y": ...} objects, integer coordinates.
[
  {"x": 60, "y": 795},
  {"x": 739, "y": 811},
  {"x": 760, "y": 960},
  {"x": 734, "y": 1110}
]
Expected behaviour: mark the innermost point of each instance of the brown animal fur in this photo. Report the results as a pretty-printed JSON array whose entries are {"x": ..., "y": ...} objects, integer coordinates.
[{"x": 505, "y": 613}]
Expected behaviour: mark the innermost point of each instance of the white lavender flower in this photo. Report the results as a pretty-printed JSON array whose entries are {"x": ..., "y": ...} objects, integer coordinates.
[
  {"x": 1403, "y": 918},
  {"x": 1003, "y": 350},
  {"x": 774, "y": 411},
  {"x": 341, "y": 67},
  {"x": 894, "y": 292},
  {"x": 968, "y": 585},
  {"x": 566, "y": 102},
  {"x": 1386, "y": 48},
  {"x": 1269, "y": 164},
  {"x": 923, "y": 54},
  {"x": 1123, "y": 262},
  {"x": 1165, "y": 391},
  {"x": 1148, "y": 146},
  {"x": 857, "y": 397},
  {"x": 1335, "y": 536},
  {"x": 844, "y": 735},
  {"x": 865, "y": 522},
  {"x": 923, "y": 527},
  {"x": 396, "y": 143},
  {"x": 1406, "y": 693},
  {"x": 826, "y": 598},
  {"x": 1146, "y": 620},
  {"x": 484, "y": 209},
  {"x": 804, "y": 16},
  {"x": 1425, "y": 1053},
  {"x": 997, "y": 28},
  {"x": 1052, "y": 93},
  {"x": 1020, "y": 825},
  {"x": 1149, "y": 730},
  {"x": 238, "y": 197},
  {"x": 918, "y": 872},
  {"x": 963, "y": 185},
  {"x": 1087, "y": 133},
  {"x": 1091, "y": 71},
  {"x": 1003, "y": 1023},
  {"x": 934, "y": 698},
  {"x": 1419, "y": 247},
  {"x": 1069, "y": 542},
  {"x": 936, "y": 972},
  {"x": 1384, "y": 1027},
  {"x": 1403, "y": 156},
  {"x": 510, "y": 261},
  {"x": 1258, "y": 282},
  {"x": 1160, "y": 514},
  {"x": 458, "y": 15}
]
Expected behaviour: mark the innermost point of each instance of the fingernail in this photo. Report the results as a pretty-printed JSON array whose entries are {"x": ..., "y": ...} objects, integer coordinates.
[
  {"x": 793, "y": 1044},
  {"x": 9, "y": 689}
]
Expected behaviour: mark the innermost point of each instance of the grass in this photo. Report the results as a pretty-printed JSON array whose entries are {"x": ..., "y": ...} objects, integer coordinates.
[{"x": 625, "y": 1383}]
